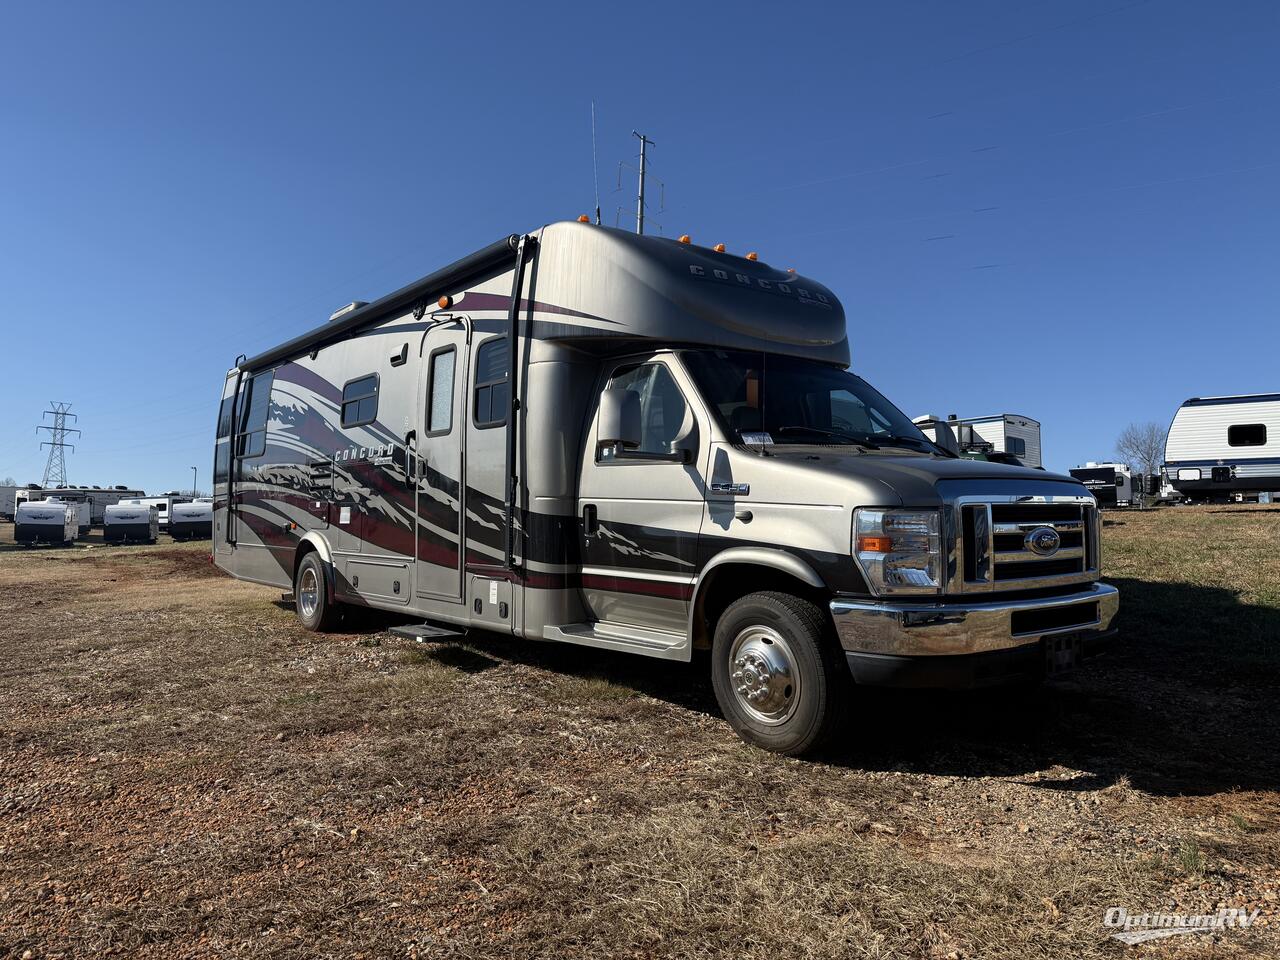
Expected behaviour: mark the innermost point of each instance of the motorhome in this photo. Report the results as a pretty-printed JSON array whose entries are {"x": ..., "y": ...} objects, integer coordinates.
[
  {"x": 98, "y": 498},
  {"x": 586, "y": 436},
  {"x": 1110, "y": 483},
  {"x": 137, "y": 522},
  {"x": 1219, "y": 448},
  {"x": 42, "y": 521},
  {"x": 163, "y": 504},
  {"x": 192, "y": 521}
]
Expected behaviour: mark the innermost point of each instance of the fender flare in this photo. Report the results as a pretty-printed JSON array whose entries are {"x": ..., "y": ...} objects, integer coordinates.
[
  {"x": 771, "y": 557},
  {"x": 321, "y": 546}
]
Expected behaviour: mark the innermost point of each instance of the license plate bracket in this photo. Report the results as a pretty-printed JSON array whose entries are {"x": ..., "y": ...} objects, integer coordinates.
[{"x": 1062, "y": 653}]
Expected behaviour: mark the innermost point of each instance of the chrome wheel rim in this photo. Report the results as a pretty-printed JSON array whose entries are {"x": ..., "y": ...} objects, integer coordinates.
[
  {"x": 308, "y": 593},
  {"x": 764, "y": 675}
]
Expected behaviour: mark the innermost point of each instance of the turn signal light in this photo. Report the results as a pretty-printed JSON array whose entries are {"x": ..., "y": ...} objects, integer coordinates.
[
  {"x": 718, "y": 248},
  {"x": 445, "y": 302},
  {"x": 869, "y": 544},
  {"x": 685, "y": 238},
  {"x": 583, "y": 218},
  {"x": 753, "y": 255}
]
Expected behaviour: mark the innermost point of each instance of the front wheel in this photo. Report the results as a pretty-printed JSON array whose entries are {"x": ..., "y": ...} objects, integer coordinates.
[
  {"x": 777, "y": 673},
  {"x": 311, "y": 595}
]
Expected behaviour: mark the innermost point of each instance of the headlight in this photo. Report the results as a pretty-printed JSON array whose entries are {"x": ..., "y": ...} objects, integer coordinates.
[{"x": 900, "y": 551}]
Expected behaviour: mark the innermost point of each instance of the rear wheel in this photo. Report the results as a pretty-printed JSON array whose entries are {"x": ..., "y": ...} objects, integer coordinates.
[
  {"x": 777, "y": 673},
  {"x": 311, "y": 595}
]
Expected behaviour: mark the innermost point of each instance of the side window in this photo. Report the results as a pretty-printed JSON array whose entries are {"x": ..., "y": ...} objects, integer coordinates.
[
  {"x": 360, "y": 401},
  {"x": 252, "y": 440},
  {"x": 224, "y": 418},
  {"x": 492, "y": 399},
  {"x": 440, "y": 391},
  {"x": 662, "y": 407},
  {"x": 1247, "y": 435}
]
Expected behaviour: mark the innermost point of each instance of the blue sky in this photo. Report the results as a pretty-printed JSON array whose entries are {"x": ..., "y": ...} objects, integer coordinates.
[{"x": 1065, "y": 210}]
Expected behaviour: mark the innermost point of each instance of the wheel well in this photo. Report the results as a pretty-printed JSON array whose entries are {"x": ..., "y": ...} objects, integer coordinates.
[
  {"x": 731, "y": 581},
  {"x": 304, "y": 548}
]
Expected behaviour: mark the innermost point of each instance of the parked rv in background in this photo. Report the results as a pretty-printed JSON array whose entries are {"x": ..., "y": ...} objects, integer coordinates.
[
  {"x": 1221, "y": 448},
  {"x": 1110, "y": 483},
  {"x": 82, "y": 509},
  {"x": 40, "y": 521},
  {"x": 163, "y": 504},
  {"x": 1001, "y": 438},
  {"x": 192, "y": 521},
  {"x": 98, "y": 498},
  {"x": 123, "y": 522}
]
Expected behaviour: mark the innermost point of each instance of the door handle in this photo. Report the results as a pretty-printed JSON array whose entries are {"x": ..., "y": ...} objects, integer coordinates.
[
  {"x": 410, "y": 458},
  {"x": 590, "y": 523}
]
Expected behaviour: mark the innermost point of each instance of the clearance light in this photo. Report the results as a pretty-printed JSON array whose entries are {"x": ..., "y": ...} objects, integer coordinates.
[
  {"x": 583, "y": 218},
  {"x": 445, "y": 302},
  {"x": 685, "y": 238},
  {"x": 718, "y": 248},
  {"x": 753, "y": 255},
  {"x": 791, "y": 269}
]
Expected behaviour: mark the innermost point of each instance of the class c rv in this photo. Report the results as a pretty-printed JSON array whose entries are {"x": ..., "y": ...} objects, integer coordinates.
[
  {"x": 587, "y": 436},
  {"x": 125, "y": 522},
  {"x": 1220, "y": 448},
  {"x": 45, "y": 521}
]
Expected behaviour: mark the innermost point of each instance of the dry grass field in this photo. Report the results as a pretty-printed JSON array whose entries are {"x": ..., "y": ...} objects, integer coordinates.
[{"x": 185, "y": 772}]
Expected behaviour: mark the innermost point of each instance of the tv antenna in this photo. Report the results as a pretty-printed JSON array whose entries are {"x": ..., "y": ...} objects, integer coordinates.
[
  {"x": 595, "y": 161},
  {"x": 55, "y": 469},
  {"x": 641, "y": 206}
]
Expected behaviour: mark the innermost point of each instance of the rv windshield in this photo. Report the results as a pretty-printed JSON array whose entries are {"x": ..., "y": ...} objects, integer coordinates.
[{"x": 797, "y": 401}]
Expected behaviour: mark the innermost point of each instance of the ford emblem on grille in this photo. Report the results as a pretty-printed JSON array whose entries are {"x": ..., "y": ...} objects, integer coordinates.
[{"x": 1043, "y": 541}]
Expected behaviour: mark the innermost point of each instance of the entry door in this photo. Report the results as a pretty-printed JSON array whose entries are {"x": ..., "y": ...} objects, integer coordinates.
[
  {"x": 441, "y": 492},
  {"x": 639, "y": 517}
]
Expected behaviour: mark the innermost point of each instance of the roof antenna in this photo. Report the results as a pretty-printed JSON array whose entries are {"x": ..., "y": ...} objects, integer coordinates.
[{"x": 595, "y": 162}]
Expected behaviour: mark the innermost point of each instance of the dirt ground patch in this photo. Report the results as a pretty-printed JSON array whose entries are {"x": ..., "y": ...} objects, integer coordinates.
[{"x": 186, "y": 772}]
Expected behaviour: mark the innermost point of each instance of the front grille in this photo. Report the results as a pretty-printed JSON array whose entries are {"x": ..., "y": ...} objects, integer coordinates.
[{"x": 995, "y": 553}]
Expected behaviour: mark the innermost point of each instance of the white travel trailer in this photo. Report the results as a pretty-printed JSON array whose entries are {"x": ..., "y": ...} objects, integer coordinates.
[
  {"x": 98, "y": 498},
  {"x": 163, "y": 504},
  {"x": 82, "y": 509},
  {"x": 136, "y": 522},
  {"x": 585, "y": 436},
  {"x": 192, "y": 521},
  {"x": 1220, "y": 448},
  {"x": 1009, "y": 433},
  {"x": 1110, "y": 483},
  {"x": 44, "y": 521}
]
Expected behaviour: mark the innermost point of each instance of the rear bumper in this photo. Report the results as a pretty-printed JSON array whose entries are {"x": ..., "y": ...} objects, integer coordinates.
[
  {"x": 972, "y": 644},
  {"x": 115, "y": 532}
]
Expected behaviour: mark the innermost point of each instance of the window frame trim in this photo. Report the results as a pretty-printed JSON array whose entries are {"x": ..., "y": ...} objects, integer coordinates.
[
  {"x": 343, "y": 401},
  {"x": 476, "y": 385},
  {"x": 431, "y": 380},
  {"x": 1235, "y": 426},
  {"x": 238, "y": 434}
]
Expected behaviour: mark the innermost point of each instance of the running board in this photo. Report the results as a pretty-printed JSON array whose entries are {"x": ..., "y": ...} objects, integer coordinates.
[
  {"x": 622, "y": 636},
  {"x": 424, "y": 632}
]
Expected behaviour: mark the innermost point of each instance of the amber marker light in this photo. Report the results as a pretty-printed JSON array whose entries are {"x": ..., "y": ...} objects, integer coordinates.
[
  {"x": 791, "y": 269},
  {"x": 445, "y": 302},
  {"x": 868, "y": 544},
  {"x": 753, "y": 255},
  {"x": 583, "y": 218},
  {"x": 718, "y": 248},
  {"x": 685, "y": 238}
]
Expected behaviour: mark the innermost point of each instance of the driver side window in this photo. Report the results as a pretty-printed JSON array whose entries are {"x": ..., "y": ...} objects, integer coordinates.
[{"x": 662, "y": 407}]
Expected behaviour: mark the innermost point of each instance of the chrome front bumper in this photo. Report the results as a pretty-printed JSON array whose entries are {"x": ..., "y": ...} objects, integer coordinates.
[{"x": 960, "y": 644}]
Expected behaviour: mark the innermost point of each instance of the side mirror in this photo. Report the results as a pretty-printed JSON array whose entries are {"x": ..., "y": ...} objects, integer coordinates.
[{"x": 619, "y": 419}]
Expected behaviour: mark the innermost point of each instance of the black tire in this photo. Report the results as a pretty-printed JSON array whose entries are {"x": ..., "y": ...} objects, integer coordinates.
[
  {"x": 765, "y": 631},
  {"x": 311, "y": 595}
]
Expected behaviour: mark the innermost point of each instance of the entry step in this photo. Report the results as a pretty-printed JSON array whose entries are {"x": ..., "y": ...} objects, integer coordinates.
[
  {"x": 621, "y": 636},
  {"x": 426, "y": 631}
]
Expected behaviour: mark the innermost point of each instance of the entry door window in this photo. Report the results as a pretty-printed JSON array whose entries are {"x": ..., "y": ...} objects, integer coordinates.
[
  {"x": 440, "y": 392},
  {"x": 662, "y": 407}
]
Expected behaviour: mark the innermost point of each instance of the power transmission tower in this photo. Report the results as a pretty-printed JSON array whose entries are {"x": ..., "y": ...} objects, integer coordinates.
[{"x": 55, "y": 470}]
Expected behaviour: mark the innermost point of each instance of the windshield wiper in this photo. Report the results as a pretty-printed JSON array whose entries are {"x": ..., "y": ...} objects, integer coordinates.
[{"x": 823, "y": 432}]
